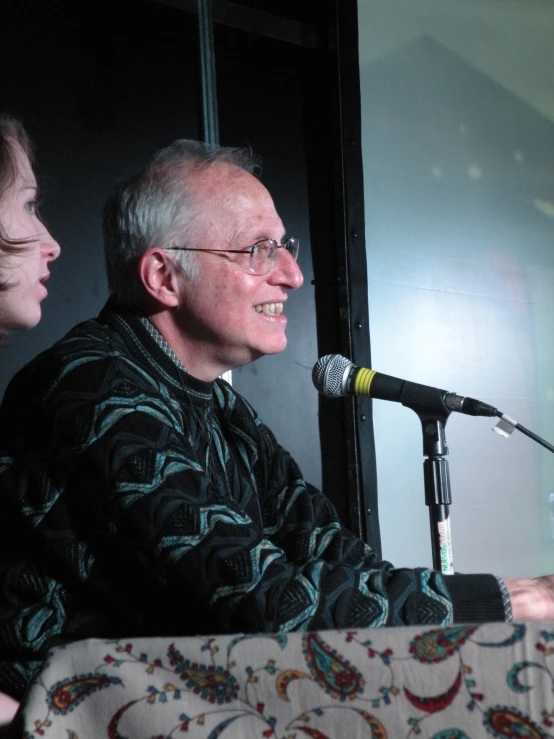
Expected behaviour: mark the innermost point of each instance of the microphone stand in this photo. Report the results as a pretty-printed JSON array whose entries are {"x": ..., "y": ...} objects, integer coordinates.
[
  {"x": 429, "y": 405},
  {"x": 438, "y": 496}
]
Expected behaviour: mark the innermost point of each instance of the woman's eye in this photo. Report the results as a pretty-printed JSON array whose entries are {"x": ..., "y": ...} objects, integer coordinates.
[{"x": 32, "y": 206}]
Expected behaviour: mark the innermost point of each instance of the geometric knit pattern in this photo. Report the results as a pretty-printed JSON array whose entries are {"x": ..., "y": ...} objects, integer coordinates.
[{"x": 136, "y": 500}]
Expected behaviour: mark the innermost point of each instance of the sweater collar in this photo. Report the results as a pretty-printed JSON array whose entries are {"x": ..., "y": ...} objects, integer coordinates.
[
  {"x": 161, "y": 342},
  {"x": 149, "y": 347}
]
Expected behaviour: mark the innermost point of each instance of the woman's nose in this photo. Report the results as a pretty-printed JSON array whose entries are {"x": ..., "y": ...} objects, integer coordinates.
[{"x": 50, "y": 247}]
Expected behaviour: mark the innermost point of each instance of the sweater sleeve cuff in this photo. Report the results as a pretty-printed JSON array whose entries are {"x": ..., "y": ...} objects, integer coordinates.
[
  {"x": 506, "y": 600},
  {"x": 478, "y": 598}
]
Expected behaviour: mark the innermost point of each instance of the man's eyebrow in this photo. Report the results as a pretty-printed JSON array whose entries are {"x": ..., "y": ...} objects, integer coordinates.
[
  {"x": 255, "y": 239},
  {"x": 262, "y": 236}
]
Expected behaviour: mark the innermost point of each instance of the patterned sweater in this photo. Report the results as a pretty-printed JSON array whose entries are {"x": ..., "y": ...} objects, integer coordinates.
[{"x": 136, "y": 500}]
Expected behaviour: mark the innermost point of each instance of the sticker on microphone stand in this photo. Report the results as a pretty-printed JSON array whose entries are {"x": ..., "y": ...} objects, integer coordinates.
[
  {"x": 445, "y": 546},
  {"x": 505, "y": 426}
]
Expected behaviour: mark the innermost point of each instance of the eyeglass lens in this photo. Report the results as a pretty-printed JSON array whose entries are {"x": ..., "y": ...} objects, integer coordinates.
[{"x": 263, "y": 258}]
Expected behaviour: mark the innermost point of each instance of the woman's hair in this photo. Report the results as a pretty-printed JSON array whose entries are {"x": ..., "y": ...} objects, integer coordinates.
[{"x": 12, "y": 133}]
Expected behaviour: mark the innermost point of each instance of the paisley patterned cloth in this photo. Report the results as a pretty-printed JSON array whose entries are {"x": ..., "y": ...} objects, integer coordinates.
[{"x": 453, "y": 682}]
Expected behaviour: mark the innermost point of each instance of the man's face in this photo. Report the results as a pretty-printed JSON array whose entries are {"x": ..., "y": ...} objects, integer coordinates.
[{"x": 229, "y": 316}]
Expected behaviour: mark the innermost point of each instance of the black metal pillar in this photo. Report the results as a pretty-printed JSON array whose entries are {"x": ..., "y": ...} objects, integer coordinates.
[{"x": 208, "y": 125}]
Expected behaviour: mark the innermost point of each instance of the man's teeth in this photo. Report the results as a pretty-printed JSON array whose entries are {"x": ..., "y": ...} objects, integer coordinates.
[{"x": 270, "y": 309}]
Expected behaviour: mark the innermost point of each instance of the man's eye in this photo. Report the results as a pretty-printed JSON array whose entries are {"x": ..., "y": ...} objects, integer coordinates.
[{"x": 255, "y": 250}]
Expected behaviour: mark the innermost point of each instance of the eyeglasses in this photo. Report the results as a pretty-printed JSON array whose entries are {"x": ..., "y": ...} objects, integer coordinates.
[{"x": 262, "y": 254}]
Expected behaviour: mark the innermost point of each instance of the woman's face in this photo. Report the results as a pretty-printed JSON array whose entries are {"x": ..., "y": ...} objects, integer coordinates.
[{"x": 25, "y": 272}]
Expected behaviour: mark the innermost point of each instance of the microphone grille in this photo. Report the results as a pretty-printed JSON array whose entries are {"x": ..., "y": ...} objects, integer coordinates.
[{"x": 328, "y": 375}]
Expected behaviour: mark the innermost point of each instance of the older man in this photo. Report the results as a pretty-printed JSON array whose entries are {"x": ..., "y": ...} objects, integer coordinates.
[{"x": 140, "y": 494}]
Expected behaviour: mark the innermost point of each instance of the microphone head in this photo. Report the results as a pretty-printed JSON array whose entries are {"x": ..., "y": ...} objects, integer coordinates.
[{"x": 329, "y": 375}]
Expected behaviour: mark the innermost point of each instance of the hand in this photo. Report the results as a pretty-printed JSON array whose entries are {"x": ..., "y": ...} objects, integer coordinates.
[
  {"x": 532, "y": 599},
  {"x": 8, "y": 709}
]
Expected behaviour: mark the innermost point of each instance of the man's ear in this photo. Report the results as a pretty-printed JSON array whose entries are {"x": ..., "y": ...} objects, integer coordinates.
[{"x": 160, "y": 276}]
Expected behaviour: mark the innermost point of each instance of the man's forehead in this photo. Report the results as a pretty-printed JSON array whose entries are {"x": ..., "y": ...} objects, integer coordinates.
[
  {"x": 234, "y": 204},
  {"x": 221, "y": 178},
  {"x": 230, "y": 187}
]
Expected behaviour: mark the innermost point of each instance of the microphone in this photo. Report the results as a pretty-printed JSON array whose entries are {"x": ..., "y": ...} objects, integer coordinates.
[{"x": 335, "y": 376}]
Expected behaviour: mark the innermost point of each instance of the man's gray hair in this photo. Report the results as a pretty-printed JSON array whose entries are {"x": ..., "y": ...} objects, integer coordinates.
[{"x": 154, "y": 207}]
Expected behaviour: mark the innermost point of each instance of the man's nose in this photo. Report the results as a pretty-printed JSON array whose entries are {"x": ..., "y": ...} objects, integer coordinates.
[{"x": 286, "y": 271}]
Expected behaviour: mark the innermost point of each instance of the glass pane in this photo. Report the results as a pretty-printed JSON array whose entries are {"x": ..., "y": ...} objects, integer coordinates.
[{"x": 458, "y": 147}]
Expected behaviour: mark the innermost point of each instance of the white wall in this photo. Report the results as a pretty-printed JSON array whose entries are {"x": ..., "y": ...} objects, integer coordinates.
[{"x": 458, "y": 146}]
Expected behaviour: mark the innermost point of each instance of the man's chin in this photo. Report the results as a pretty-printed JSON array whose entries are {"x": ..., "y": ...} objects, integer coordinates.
[
  {"x": 273, "y": 347},
  {"x": 259, "y": 352}
]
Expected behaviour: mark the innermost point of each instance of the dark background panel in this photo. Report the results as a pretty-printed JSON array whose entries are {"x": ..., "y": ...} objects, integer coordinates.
[
  {"x": 260, "y": 86},
  {"x": 101, "y": 87},
  {"x": 99, "y": 93}
]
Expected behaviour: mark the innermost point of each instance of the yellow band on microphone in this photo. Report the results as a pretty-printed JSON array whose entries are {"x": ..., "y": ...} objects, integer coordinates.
[{"x": 362, "y": 381}]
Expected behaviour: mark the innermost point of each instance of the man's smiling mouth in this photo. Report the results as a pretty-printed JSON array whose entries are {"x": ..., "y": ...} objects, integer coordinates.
[{"x": 270, "y": 309}]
